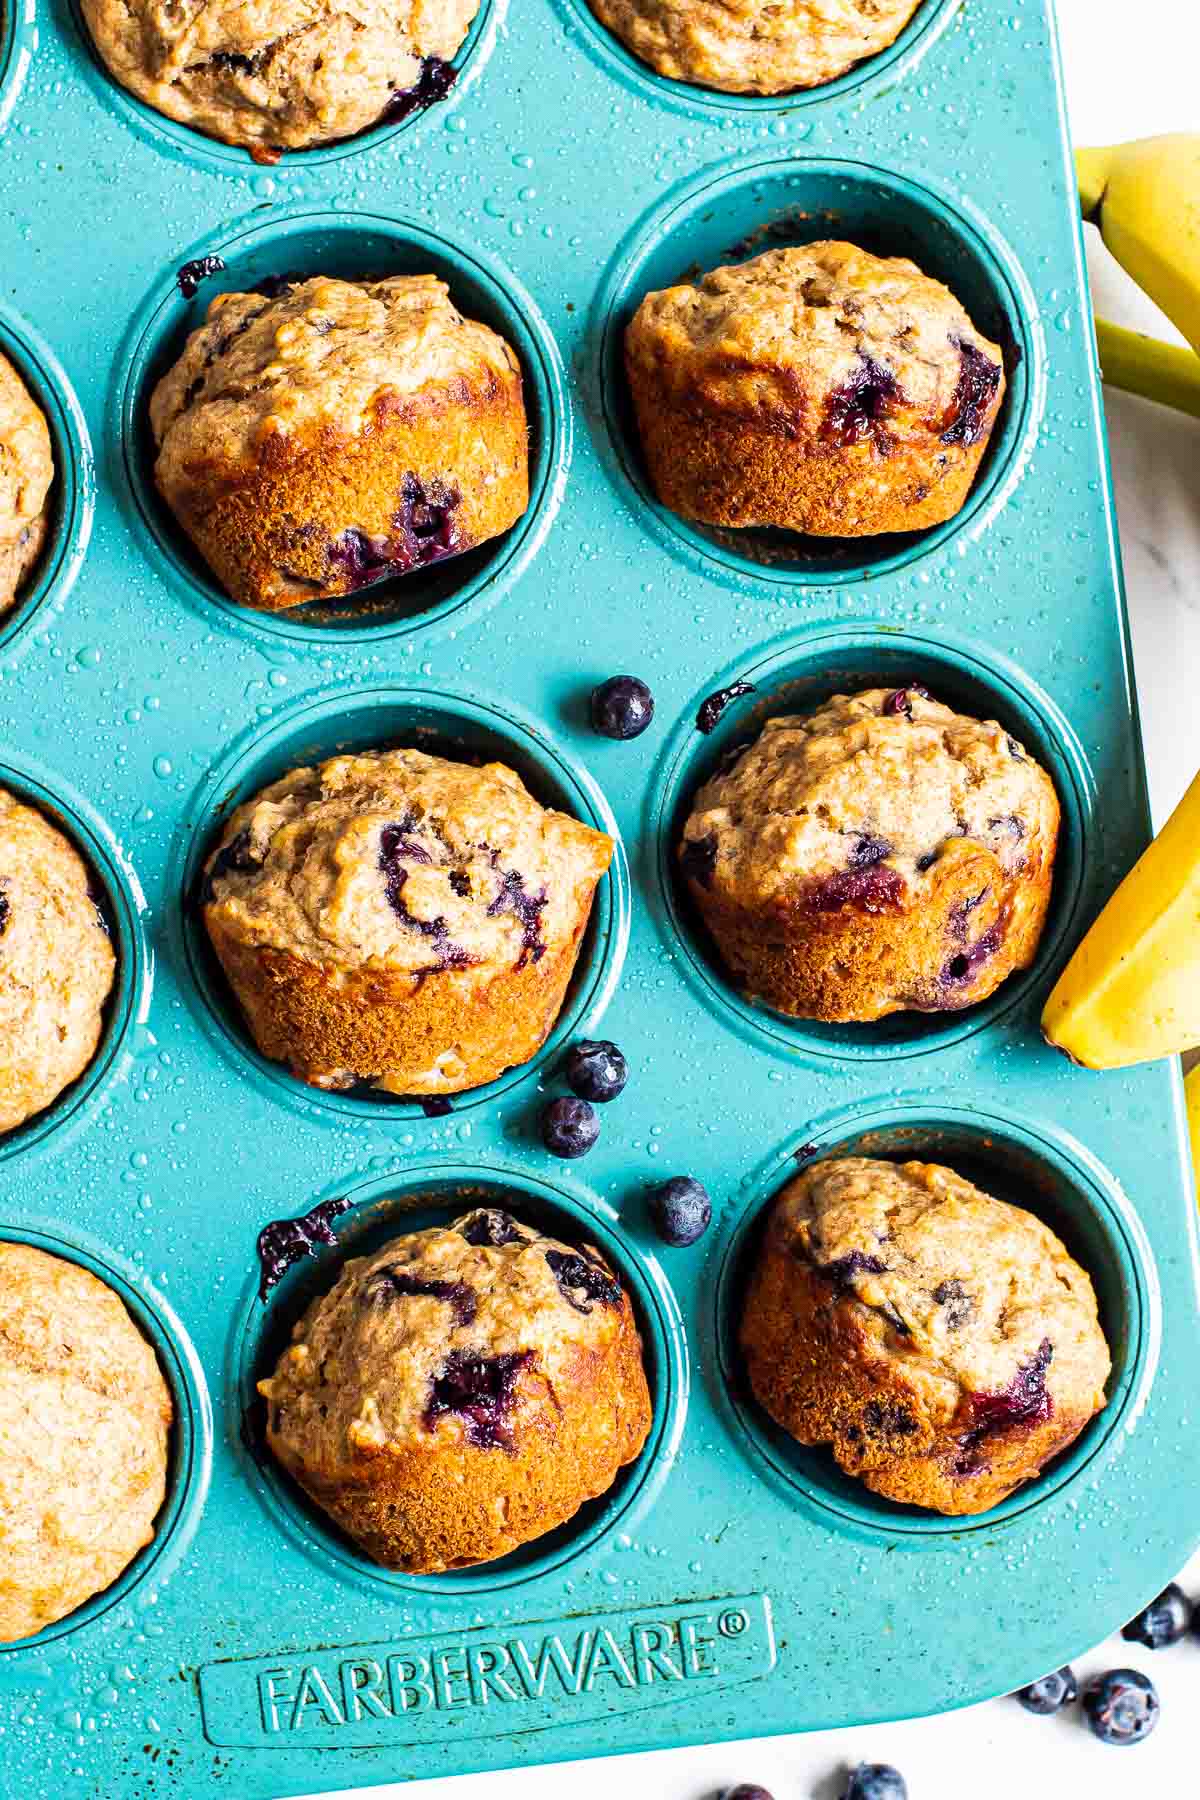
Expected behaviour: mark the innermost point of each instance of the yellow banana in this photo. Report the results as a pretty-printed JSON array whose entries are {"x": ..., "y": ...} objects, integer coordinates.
[
  {"x": 1131, "y": 991},
  {"x": 1145, "y": 197},
  {"x": 1168, "y": 373},
  {"x": 1191, "y": 1087}
]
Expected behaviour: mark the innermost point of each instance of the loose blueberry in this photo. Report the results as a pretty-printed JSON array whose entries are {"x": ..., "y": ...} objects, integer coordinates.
[
  {"x": 595, "y": 1070},
  {"x": 1163, "y": 1622},
  {"x": 622, "y": 707},
  {"x": 875, "y": 1781},
  {"x": 569, "y": 1127},
  {"x": 681, "y": 1211},
  {"x": 1051, "y": 1693},
  {"x": 1121, "y": 1707}
]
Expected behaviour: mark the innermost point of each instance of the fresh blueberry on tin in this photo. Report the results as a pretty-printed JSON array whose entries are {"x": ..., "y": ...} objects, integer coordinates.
[
  {"x": 1163, "y": 1622},
  {"x": 680, "y": 1210},
  {"x": 569, "y": 1127},
  {"x": 595, "y": 1070},
  {"x": 622, "y": 707},
  {"x": 1051, "y": 1693},
  {"x": 875, "y": 1781},
  {"x": 1121, "y": 1706}
]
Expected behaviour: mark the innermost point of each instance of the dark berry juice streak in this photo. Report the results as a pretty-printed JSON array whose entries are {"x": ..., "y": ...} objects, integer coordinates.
[
  {"x": 433, "y": 84},
  {"x": 1025, "y": 1401},
  {"x": 709, "y": 715},
  {"x": 189, "y": 277},
  {"x": 282, "y": 1242},
  {"x": 978, "y": 380}
]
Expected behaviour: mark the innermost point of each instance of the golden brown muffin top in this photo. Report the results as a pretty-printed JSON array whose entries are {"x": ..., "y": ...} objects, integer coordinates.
[
  {"x": 442, "y": 1334},
  {"x": 84, "y": 1412},
  {"x": 26, "y": 471},
  {"x": 869, "y": 792},
  {"x": 318, "y": 361},
  {"x": 275, "y": 74},
  {"x": 56, "y": 963},
  {"x": 846, "y": 345},
  {"x": 744, "y": 47},
  {"x": 398, "y": 860},
  {"x": 974, "y": 1296}
]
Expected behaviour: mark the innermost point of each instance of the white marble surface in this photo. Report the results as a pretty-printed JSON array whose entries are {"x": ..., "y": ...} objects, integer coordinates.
[{"x": 1123, "y": 83}]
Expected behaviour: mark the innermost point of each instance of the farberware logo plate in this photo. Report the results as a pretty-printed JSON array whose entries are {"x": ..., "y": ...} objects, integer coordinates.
[{"x": 488, "y": 1682}]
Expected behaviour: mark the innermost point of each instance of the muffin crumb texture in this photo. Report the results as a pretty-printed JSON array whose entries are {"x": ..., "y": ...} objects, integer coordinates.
[
  {"x": 942, "y": 1343},
  {"x": 401, "y": 920},
  {"x": 460, "y": 1392},
  {"x": 26, "y": 472},
  {"x": 817, "y": 389},
  {"x": 56, "y": 963},
  {"x": 742, "y": 47},
  {"x": 883, "y": 854},
  {"x": 325, "y": 435},
  {"x": 84, "y": 1420},
  {"x": 284, "y": 76}
]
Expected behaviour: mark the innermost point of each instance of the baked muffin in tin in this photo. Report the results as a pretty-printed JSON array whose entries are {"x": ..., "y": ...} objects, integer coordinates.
[
  {"x": 84, "y": 1422},
  {"x": 26, "y": 474},
  {"x": 942, "y": 1343},
  {"x": 882, "y": 854},
  {"x": 818, "y": 389},
  {"x": 326, "y": 435},
  {"x": 280, "y": 76},
  {"x": 460, "y": 1392},
  {"x": 400, "y": 919}
]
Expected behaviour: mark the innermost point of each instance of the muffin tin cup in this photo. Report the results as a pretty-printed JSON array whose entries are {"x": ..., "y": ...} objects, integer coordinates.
[
  {"x": 894, "y": 64},
  {"x": 189, "y": 1451},
  {"x": 124, "y": 908},
  {"x": 352, "y": 245},
  {"x": 1033, "y": 1164},
  {"x": 412, "y": 1198},
  {"x": 186, "y": 144},
  {"x": 18, "y": 43},
  {"x": 427, "y": 717},
  {"x": 72, "y": 497},
  {"x": 737, "y": 210},
  {"x": 796, "y": 675}
]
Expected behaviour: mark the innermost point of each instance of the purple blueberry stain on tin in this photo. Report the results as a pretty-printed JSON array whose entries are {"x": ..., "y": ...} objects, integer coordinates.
[
  {"x": 283, "y": 1242},
  {"x": 191, "y": 274},
  {"x": 436, "y": 1106},
  {"x": 805, "y": 1154},
  {"x": 400, "y": 1284},
  {"x": 711, "y": 709},
  {"x": 490, "y": 1227},
  {"x": 436, "y": 79},
  {"x": 860, "y": 406},
  {"x": 579, "y": 1276},
  {"x": 698, "y": 859},
  {"x": 978, "y": 379},
  {"x": 1025, "y": 1401},
  {"x": 481, "y": 1391},
  {"x": 525, "y": 907}
]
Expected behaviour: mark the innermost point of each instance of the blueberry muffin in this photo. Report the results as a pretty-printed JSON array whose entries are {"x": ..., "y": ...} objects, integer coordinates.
[
  {"x": 821, "y": 390},
  {"x": 461, "y": 1391},
  {"x": 399, "y": 919},
  {"x": 744, "y": 47},
  {"x": 56, "y": 963},
  {"x": 26, "y": 472},
  {"x": 329, "y": 434},
  {"x": 84, "y": 1417},
  {"x": 942, "y": 1343},
  {"x": 284, "y": 76},
  {"x": 883, "y": 854}
]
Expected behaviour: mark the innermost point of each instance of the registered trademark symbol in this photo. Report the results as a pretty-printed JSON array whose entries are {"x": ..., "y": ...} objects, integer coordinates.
[{"x": 732, "y": 1623}]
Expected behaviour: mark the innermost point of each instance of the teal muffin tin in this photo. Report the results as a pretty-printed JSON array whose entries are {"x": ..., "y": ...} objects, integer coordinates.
[{"x": 731, "y": 1582}]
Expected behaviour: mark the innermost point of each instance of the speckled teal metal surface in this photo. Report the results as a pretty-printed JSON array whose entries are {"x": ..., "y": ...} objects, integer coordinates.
[{"x": 731, "y": 1583}]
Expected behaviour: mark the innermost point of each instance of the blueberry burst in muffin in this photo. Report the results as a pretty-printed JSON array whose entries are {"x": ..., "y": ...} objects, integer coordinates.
[
  {"x": 821, "y": 390},
  {"x": 284, "y": 76},
  {"x": 944, "y": 1344},
  {"x": 460, "y": 1392},
  {"x": 325, "y": 435},
  {"x": 400, "y": 920},
  {"x": 883, "y": 854}
]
